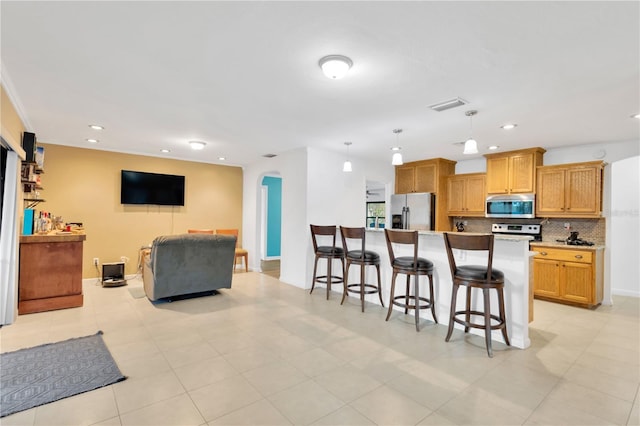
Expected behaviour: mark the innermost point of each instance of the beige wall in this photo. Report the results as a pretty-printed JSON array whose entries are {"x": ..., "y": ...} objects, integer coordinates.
[
  {"x": 83, "y": 185},
  {"x": 11, "y": 125}
]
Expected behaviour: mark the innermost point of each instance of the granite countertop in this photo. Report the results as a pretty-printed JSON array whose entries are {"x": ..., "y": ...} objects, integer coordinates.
[
  {"x": 497, "y": 236},
  {"x": 565, "y": 245}
]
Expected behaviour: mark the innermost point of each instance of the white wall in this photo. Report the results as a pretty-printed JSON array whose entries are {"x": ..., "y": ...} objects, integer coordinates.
[
  {"x": 314, "y": 190},
  {"x": 624, "y": 235},
  {"x": 292, "y": 167}
]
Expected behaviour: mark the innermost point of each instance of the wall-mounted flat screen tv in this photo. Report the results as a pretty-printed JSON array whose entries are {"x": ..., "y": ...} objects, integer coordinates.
[{"x": 151, "y": 188}]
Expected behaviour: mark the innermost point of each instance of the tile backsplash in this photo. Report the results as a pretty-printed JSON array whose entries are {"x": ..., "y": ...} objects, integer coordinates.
[{"x": 552, "y": 229}]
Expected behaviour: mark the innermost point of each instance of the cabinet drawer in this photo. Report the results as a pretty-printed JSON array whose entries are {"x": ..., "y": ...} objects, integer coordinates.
[{"x": 582, "y": 256}]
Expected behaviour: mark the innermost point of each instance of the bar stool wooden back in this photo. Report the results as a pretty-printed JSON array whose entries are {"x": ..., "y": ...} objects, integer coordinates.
[
  {"x": 409, "y": 265},
  {"x": 324, "y": 247},
  {"x": 476, "y": 276},
  {"x": 359, "y": 256}
]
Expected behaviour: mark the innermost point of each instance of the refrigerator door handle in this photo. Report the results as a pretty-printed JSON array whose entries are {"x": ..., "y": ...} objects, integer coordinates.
[{"x": 407, "y": 223}]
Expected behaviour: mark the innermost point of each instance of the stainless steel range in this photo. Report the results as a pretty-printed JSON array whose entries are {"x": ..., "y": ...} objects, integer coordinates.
[{"x": 518, "y": 229}]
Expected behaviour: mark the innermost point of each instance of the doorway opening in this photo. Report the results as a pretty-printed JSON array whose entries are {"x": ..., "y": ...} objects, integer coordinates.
[{"x": 270, "y": 224}]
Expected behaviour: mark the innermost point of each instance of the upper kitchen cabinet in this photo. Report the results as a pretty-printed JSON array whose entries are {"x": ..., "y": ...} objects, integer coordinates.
[
  {"x": 423, "y": 176},
  {"x": 570, "y": 190},
  {"x": 466, "y": 194},
  {"x": 428, "y": 176},
  {"x": 513, "y": 172}
]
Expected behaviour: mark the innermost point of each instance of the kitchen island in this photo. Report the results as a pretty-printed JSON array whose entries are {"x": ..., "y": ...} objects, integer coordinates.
[{"x": 511, "y": 255}]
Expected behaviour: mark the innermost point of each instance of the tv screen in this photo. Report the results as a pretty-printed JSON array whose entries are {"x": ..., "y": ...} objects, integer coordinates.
[{"x": 151, "y": 188}]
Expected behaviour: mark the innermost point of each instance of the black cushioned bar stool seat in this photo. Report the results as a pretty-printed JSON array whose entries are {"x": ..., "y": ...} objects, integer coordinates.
[
  {"x": 409, "y": 265},
  {"x": 360, "y": 257},
  {"x": 328, "y": 252},
  {"x": 476, "y": 276}
]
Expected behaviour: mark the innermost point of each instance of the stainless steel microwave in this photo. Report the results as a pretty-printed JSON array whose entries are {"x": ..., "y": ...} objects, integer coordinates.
[{"x": 516, "y": 206}]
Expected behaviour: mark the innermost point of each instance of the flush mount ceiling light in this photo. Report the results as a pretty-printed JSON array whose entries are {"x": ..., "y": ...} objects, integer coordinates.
[
  {"x": 635, "y": 116},
  {"x": 96, "y": 127},
  {"x": 93, "y": 140},
  {"x": 470, "y": 146},
  {"x": 346, "y": 167},
  {"x": 508, "y": 126},
  {"x": 197, "y": 145},
  {"x": 335, "y": 66},
  {"x": 396, "y": 160}
]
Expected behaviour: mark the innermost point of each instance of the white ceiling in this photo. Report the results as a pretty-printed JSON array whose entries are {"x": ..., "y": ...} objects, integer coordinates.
[{"x": 244, "y": 76}]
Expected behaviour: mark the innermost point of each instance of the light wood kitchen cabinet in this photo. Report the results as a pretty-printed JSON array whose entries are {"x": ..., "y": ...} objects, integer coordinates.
[
  {"x": 466, "y": 194},
  {"x": 513, "y": 172},
  {"x": 569, "y": 275},
  {"x": 570, "y": 190},
  {"x": 421, "y": 176},
  {"x": 428, "y": 176}
]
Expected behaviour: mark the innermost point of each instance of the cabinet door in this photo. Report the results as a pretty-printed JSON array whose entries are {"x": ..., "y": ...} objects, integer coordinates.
[
  {"x": 425, "y": 178},
  {"x": 498, "y": 175},
  {"x": 404, "y": 179},
  {"x": 582, "y": 190},
  {"x": 577, "y": 282},
  {"x": 475, "y": 194},
  {"x": 551, "y": 191},
  {"x": 546, "y": 277},
  {"x": 521, "y": 173},
  {"x": 456, "y": 196}
]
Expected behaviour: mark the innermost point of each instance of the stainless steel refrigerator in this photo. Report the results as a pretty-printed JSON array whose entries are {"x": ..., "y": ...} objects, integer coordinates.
[{"x": 413, "y": 211}]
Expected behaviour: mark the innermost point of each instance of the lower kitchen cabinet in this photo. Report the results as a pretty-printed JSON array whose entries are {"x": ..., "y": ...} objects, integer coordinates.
[{"x": 569, "y": 275}]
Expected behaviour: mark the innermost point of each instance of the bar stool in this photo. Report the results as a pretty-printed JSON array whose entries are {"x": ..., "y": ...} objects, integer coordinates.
[
  {"x": 363, "y": 258},
  {"x": 409, "y": 265},
  {"x": 328, "y": 252},
  {"x": 476, "y": 276}
]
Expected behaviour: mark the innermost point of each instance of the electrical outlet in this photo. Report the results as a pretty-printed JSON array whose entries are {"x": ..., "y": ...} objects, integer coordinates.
[
  {"x": 124, "y": 259},
  {"x": 96, "y": 261}
]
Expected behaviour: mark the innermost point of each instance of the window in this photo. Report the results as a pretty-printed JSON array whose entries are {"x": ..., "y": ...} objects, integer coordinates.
[{"x": 375, "y": 213}]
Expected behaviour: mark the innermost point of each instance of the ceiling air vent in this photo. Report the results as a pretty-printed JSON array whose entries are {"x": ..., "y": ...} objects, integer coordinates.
[
  {"x": 451, "y": 103},
  {"x": 269, "y": 155}
]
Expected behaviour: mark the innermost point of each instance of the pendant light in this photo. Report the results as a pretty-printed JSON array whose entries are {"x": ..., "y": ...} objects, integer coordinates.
[
  {"x": 470, "y": 146},
  {"x": 346, "y": 167},
  {"x": 396, "y": 160}
]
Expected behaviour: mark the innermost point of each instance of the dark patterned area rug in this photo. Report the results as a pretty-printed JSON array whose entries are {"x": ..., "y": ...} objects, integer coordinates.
[{"x": 36, "y": 376}]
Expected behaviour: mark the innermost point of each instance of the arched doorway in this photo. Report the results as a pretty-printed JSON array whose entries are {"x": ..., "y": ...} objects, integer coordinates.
[{"x": 270, "y": 223}]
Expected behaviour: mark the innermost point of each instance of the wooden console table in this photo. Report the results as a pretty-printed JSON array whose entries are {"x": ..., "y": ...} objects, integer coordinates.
[{"x": 50, "y": 272}]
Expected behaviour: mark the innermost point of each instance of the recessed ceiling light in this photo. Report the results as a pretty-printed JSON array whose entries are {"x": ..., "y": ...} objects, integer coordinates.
[
  {"x": 493, "y": 147},
  {"x": 93, "y": 140},
  {"x": 165, "y": 150},
  {"x": 197, "y": 145},
  {"x": 396, "y": 148},
  {"x": 96, "y": 127},
  {"x": 636, "y": 116},
  {"x": 508, "y": 126},
  {"x": 221, "y": 158}
]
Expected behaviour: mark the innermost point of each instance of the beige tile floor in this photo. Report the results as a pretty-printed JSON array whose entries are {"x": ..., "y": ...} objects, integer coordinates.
[{"x": 266, "y": 353}]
